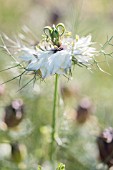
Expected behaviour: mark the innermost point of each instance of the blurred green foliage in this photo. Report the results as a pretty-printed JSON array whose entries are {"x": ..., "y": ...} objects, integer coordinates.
[{"x": 76, "y": 144}]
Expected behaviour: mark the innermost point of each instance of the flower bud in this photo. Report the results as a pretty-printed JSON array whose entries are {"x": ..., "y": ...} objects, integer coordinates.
[
  {"x": 14, "y": 113},
  {"x": 83, "y": 110},
  {"x": 105, "y": 146}
]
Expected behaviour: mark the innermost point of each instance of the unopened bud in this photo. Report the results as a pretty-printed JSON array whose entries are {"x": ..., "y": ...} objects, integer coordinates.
[
  {"x": 14, "y": 113},
  {"x": 83, "y": 110},
  {"x": 105, "y": 146}
]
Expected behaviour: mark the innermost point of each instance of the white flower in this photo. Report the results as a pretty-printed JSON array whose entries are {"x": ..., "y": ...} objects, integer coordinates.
[{"x": 59, "y": 60}]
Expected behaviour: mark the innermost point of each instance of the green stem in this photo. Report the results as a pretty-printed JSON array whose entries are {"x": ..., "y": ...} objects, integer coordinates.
[{"x": 52, "y": 153}]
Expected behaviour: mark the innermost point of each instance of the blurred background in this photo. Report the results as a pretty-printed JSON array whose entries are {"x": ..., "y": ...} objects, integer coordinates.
[{"x": 85, "y": 102}]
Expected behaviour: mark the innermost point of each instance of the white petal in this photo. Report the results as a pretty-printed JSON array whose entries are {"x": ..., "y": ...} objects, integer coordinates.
[
  {"x": 29, "y": 50},
  {"x": 82, "y": 42},
  {"x": 77, "y": 52},
  {"x": 60, "y": 60},
  {"x": 83, "y": 59},
  {"x": 44, "y": 72},
  {"x": 27, "y": 57}
]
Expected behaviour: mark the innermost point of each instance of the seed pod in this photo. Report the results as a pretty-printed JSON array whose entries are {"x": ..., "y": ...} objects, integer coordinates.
[
  {"x": 83, "y": 110},
  {"x": 105, "y": 146},
  {"x": 14, "y": 113}
]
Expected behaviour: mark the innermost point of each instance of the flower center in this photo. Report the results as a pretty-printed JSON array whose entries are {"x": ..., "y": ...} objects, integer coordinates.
[
  {"x": 54, "y": 33},
  {"x": 56, "y": 49}
]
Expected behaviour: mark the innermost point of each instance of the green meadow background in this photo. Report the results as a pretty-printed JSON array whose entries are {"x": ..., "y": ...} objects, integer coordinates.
[{"x": 76, "y": 143}]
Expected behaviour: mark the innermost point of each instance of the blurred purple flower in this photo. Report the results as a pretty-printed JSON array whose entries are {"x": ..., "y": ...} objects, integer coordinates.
[
  {"x": 105, "y": 146},
  {"x": 14, "y": 113}
]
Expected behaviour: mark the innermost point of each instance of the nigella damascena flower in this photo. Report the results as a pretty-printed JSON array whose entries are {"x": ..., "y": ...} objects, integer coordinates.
[{"x": 57, "y": 52}]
